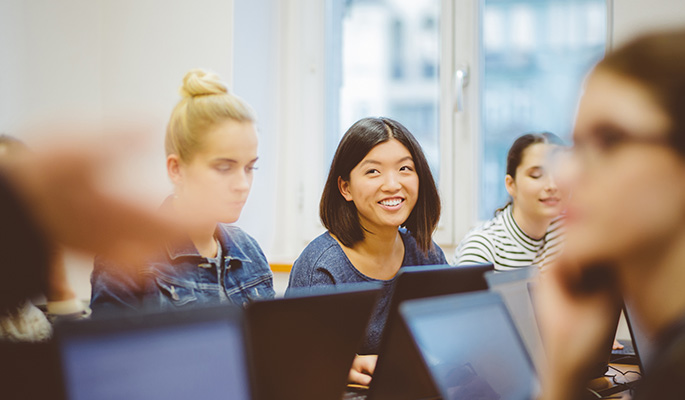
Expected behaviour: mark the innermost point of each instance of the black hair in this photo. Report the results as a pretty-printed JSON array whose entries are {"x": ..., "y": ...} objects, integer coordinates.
[{"x": 515, "y": 155}]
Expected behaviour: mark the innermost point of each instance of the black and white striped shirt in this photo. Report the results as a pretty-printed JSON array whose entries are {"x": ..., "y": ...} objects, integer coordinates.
[{"x": 501, "y": 242}]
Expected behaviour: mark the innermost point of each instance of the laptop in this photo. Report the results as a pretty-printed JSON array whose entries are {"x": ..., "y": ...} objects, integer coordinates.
[
  {"x": 400, "y": 373},
  {"x": 302, "y": 347},
  {"x": 514, "y": 288},
  {"x": 471, "y": 347},
  {"x": 187, "y": 354},
  {"x": 601, "y": 366},
  {"x": 644, "y": 346},
  {"x": 637, "y": 351}
]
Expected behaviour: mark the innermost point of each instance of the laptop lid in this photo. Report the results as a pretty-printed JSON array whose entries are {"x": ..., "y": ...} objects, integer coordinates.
[
  {"x": 643, "y": 346},
  {"x": 601, "y": 366},
  {"x": 194, "y": 353},
  {"x": 471, "y": 347},
  {"x": 303, "y": 347},
  {"x": 400, "y": 373},
  {"x": 513, "y": 287}
]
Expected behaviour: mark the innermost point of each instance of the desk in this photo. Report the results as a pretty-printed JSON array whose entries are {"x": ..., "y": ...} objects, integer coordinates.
[
  {"x": 623, "y": 374},
  {"x": 616, "y": 382}
]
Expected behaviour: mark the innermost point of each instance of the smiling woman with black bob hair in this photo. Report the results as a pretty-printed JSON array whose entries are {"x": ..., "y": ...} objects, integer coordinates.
[
  {"x": 340, "y": 216},
  {"x": 380, "y": 206}
]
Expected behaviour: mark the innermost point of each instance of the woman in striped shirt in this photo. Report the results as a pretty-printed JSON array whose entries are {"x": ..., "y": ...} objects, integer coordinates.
[{"x": 527, "y": 231}]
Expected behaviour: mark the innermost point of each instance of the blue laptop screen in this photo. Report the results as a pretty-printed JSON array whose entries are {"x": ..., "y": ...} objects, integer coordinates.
[
  {"x": 474, "y": 353},
  {"x": 198, "y": 360}
]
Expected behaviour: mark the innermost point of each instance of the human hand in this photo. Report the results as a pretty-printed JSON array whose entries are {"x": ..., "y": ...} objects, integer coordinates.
[
  {"x": 576, "y": 318},
  {"x": 362, "y": 369},
  {"x": 60, "y": 189},
  {"x": 58, "y": 287}
]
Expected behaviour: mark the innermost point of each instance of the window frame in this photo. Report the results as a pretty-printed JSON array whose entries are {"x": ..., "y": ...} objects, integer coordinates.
[{"x": 306, "y": 114}]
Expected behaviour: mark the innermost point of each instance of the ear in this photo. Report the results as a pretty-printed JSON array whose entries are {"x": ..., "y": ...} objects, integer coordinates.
[
  {"x": 344, "y": 188},
  {"x": 510, "y": 184},
  {"x": 173, "y": 169}
]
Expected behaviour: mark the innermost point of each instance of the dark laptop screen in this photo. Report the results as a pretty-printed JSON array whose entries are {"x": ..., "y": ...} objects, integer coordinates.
[
  {"x": 472, "y": 350},
  {"x": 643, "y": 345},
  {"x": 203, "y": 359}
]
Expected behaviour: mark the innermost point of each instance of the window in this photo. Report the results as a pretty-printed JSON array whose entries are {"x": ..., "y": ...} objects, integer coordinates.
[
  {"x": 523, "y": 62},
  {"x": 534, "y": 56},
  {"x": 388, "y": 61}
]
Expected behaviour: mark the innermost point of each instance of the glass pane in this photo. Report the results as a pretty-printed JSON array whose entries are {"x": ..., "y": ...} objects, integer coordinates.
[
  {"x": 383, "y": 60},
  {"x": 534, "y": 56}
]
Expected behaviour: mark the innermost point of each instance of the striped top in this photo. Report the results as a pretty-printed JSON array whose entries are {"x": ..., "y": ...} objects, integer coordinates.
[{"x": 501, "y": 242}]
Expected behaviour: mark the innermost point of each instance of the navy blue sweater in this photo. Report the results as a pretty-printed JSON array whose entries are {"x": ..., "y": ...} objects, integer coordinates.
[{"x": 323, "y": 263}]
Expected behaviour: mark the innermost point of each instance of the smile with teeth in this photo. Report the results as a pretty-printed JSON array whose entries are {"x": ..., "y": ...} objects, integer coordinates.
[{"x": 391, "y": 202}]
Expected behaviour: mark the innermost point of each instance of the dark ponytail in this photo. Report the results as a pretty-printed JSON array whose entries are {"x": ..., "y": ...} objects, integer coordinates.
[{"x": 515, "y": 155}]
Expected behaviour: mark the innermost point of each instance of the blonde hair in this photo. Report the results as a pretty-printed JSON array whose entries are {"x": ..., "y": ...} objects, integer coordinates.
[{"x": 205, "y": 102}]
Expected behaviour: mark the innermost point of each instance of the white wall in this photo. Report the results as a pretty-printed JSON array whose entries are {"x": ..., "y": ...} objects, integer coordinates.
[
  {"x": 49, "y": 60},
  {"x": 126, "y": 58},
  {"x": 633, "y": 17},
  {"x": 256, "y": 60},
  {"x": 89, "y": 59},
  {"x": 147, "y": 47}
]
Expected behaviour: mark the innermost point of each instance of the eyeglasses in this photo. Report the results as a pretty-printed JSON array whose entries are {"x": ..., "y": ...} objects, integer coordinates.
[{"x": 607, "y": 142}]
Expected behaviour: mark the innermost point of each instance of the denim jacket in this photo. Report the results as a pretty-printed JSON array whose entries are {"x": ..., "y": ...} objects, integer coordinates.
[{"x": 181, "y": 276}]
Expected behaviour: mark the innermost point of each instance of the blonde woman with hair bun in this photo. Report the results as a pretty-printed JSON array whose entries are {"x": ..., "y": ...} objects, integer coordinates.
[{"x": 211, "y": 149}]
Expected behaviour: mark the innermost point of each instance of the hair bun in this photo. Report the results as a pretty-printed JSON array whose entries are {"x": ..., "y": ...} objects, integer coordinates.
[{"x": 198, "y": 82}]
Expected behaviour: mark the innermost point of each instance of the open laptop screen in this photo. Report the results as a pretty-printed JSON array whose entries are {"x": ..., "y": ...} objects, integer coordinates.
[
  {"x": 471, "y": 347},
  {"x": 642, "y": 344},
  {"x": 198, "y": 359},
  {"x": 515, "y": 288}
]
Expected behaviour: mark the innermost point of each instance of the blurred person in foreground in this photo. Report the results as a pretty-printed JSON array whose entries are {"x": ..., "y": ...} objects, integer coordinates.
[
  {"x": 626, "y": 220},
  {"x": 24, "y": 321},
  {"x": 52, "y": 199}
]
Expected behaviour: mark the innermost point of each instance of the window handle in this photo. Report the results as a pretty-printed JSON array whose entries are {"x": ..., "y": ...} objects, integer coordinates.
[{"x": 461, "y": 80}]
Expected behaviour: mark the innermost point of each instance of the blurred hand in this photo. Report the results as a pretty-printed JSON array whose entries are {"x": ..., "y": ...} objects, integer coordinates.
[
  {"x": 362, "y": 369},
  {"x": 60, "y": 189},
  {"x": 576, "y": 318},
  {"x": 58, "y": 288}
]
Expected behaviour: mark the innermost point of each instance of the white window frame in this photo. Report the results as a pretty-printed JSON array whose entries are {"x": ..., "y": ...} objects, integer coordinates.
[{"x": 303, "y": 104}]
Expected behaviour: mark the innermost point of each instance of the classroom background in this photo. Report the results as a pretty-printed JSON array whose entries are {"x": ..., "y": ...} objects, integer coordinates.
[{"x": 466, "y": 76}]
